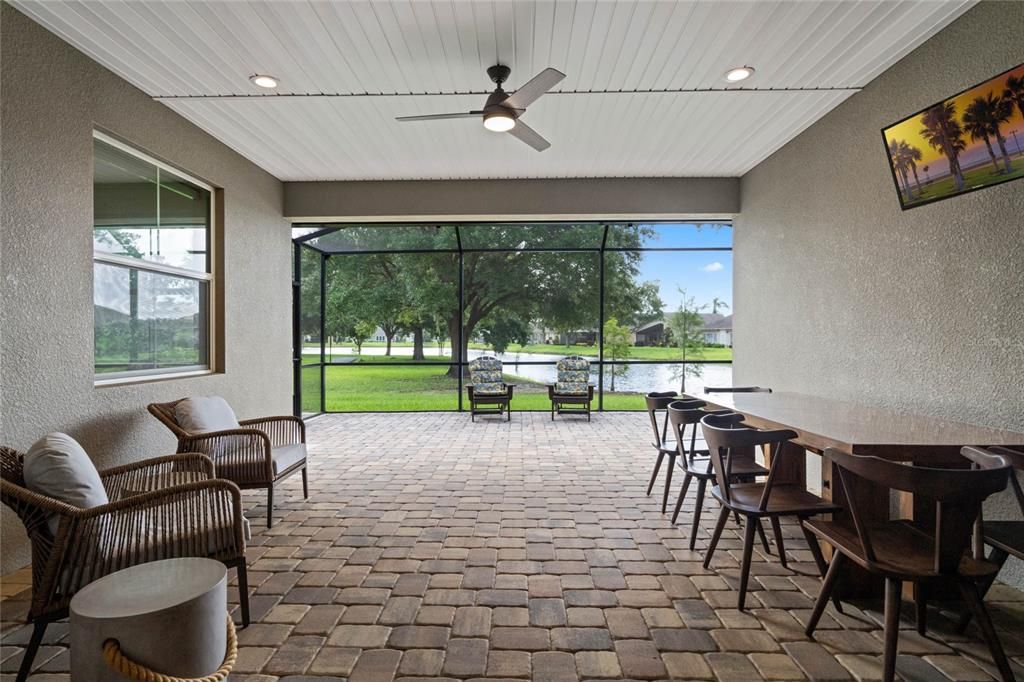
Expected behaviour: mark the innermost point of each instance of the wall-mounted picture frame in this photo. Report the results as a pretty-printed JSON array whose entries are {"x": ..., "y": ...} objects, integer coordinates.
[{"x": 969, "y": 141}]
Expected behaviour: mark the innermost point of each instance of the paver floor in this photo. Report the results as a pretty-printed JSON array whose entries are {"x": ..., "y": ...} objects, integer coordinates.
[{"x": 433, "y": 547}]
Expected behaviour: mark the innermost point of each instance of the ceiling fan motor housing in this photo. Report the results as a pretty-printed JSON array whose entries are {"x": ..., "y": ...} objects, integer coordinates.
[{"x": 499, "y": 73}]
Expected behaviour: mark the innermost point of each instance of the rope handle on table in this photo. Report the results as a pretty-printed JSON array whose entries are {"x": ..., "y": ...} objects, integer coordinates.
[{"x": 120, "y": 663}]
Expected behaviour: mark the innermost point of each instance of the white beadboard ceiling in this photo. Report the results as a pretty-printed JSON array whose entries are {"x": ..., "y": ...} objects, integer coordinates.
[{"x": 644, "y": 93}]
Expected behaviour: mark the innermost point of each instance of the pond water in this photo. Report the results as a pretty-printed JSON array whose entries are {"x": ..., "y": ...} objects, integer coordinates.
[{"x": 636, "y": 379}]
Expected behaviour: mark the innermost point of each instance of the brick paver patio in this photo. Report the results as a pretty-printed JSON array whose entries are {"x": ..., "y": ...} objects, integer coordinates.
[{"x": 431, "y": 547}]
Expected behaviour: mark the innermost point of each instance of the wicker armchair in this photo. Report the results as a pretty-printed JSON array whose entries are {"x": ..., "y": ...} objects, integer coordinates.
[
  {"x": 146, "y": 520},
  {"x": 263, "y": 452}
]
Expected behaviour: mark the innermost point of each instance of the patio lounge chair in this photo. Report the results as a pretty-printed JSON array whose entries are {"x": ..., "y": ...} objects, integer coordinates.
[
  {"x": 488, "y": 393},
  {"x": 572, "y": 391},
  {"x": 252, "y": 453},
  {"x": 146, "y": 519}
]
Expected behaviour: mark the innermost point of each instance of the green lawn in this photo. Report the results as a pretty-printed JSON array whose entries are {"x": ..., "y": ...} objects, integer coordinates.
[
  {"x": 979, "y": 175},
  {"x": 351, "y": 388},
  {"x": 637, "y": 352}
]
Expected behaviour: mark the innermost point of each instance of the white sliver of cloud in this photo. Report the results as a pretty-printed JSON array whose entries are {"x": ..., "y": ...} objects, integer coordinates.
[{"x": 712, "y": 267}]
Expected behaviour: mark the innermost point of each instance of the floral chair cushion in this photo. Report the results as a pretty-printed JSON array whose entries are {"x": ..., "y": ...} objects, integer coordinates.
[
  {"x": 573, "y": 376},
  {"x": 485, "y": 375}
]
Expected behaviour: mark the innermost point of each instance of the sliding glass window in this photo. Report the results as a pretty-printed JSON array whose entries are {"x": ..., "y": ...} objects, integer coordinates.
[{"x": 152, "y": 272}]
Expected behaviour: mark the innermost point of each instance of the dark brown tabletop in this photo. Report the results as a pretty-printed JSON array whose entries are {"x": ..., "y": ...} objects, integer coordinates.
[{"x": 860, "y": 429}]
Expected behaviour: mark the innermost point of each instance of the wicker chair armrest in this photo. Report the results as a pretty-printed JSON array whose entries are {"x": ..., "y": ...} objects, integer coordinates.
[
  {"x": 198, "y": 519},
  {"x": 246, "y": 448},
  {"x": 142, "y": 474},
  {"x": 282, "y": 430}
]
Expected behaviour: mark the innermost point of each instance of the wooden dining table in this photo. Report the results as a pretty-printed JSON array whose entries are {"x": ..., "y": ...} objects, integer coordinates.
[{"x": 860, "y": 429}]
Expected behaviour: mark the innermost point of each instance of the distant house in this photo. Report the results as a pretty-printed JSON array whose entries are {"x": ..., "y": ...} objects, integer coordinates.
[
  {"x": 649, "y": 334},
  {"x": 717, "y": 330},
  {"x": 381, "y": 337}
]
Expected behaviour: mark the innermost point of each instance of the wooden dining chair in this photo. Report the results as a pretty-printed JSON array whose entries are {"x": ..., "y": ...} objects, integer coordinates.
[
  {"x": 1006, "y": 538},
  {"x": 728, "y": 441},
  {"x": 736, "y": 389},
  {"x": 657, "y": 412},
  {"x": 901, "y": 550},
  {"x": 684, "y": 418}
]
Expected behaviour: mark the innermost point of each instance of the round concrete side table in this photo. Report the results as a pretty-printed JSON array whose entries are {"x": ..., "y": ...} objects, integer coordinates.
[{"x": 170, "y": 616}]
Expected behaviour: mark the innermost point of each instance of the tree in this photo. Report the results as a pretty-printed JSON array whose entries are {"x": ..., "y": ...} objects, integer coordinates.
[
  {"x": 1014, "y": 92},
  {"x": 717, "y": 303},
  {"x": 500, "y": 331},
  {"x": 556, "y": 290},
  {"x": 987, "y": 114},
  {"x": 898, "y": 154},
  {"x": 617, "y": 346},
  {"x": 913, "y": 155},
  {"x": 944, "y": 134},
  {"x": 688, "y": 333},
  {"x": 361, "y": 331},
  {"x": 979, "y": 127}
]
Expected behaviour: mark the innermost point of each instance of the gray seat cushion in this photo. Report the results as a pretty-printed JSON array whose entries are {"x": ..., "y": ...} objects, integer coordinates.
[
  {"x": 287, "y": 456},
  {"x": 58, "y": 467}
]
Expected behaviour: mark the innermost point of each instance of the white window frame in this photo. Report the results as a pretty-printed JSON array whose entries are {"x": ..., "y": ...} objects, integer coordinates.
[{"x": 209, "y": 277}]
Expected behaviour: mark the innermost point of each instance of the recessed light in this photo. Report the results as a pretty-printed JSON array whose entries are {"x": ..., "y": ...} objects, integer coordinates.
[
  {"x": 263, "y": 80},
  {"x": 740, "y": 73}
]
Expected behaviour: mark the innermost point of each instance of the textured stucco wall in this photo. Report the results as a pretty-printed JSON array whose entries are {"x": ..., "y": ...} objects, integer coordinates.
[
  {"x": 556, "y": 198},
  {"x": 53, "y": 96},
  {"x": 840, "y": 293}
]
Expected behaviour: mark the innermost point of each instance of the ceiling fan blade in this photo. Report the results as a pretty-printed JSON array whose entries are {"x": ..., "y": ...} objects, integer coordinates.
[
  {"x": 534, "y": 88},
  {"x": 529, "y": 136},
  {"x": 439, "y": 117}
]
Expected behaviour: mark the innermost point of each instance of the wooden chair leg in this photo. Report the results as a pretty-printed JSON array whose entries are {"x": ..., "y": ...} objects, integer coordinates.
[
  {"x": 243, "y": 592},
  {"x": 748, "y": 551},
  {"x": 654, "y": 476},
  {"x": 921, "y": 608},
  {"x": 702, "y": 486},
  {"x": 777, "y": 532},
  {"x": 972, "y": 596},
  {"x": 668, "y": 482},
  {"x": 819, "y": 559},
  {"x": 38, "y": 630},
  {"x": 760, "y": 531},
  {"x": 997, "y": 557},
  {"x": 679, "y": 502},
  {"x": 305, "y": 484},
  {"x": 270, "y": 505},
  {"x": 828, "y": 586},
  {"x": 719, "y": 527},
  {"x": 893, "y": 590}
]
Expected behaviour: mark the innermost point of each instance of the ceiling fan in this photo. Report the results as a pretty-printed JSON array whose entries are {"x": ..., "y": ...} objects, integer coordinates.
[{"x": 502, "y": 111}]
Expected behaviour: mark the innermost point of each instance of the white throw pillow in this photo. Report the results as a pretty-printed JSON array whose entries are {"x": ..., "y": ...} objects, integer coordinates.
[
  {"x": 206, "y": 413},
  {"x": 58, "y": 467}
]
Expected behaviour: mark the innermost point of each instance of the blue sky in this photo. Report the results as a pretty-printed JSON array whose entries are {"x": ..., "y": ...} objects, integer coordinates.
[{"x": 704, "y": 274}]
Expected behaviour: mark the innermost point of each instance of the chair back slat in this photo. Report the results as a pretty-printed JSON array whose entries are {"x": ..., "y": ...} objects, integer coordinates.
[
  {"x": 958, "y": 495},
  {"x": 681, "y": 414},
  {"x": 729, "y": 438},
  {"x": 658, "y": 402}
]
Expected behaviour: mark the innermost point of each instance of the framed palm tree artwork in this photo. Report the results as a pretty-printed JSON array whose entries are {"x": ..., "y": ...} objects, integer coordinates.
[{"x": 972, "y": 140}]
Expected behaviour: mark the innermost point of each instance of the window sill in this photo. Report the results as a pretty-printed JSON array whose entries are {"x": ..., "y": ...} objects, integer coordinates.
[{"x": 151, "y": 378}]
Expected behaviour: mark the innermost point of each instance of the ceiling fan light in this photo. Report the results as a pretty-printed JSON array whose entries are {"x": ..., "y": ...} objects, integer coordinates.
[
  {"x": 740, "y": 73},
  {"x": 499, "y": 122}
]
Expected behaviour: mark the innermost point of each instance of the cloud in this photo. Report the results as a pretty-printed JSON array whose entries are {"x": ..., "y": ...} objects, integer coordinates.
[{"x": 713, "y": 267}]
